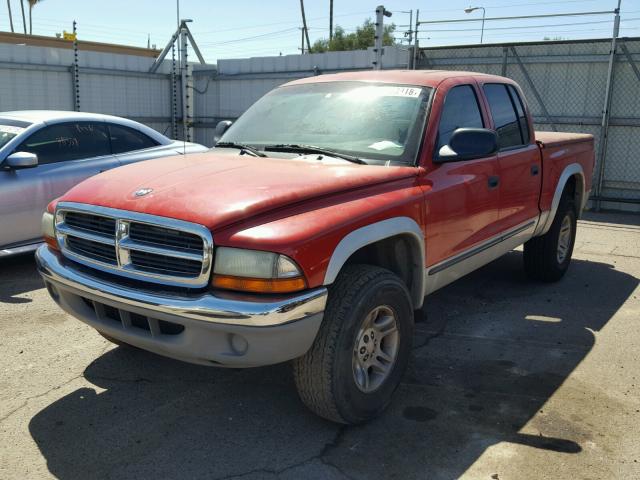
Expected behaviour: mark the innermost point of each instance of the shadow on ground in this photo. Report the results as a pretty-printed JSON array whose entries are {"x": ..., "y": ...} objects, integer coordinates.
[
  {"x": 493, "y": 350},
  {"x": 18, "y": 275}
]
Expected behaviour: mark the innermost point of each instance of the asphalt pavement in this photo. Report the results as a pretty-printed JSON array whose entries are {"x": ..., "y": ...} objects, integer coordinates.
[{"x": 510, "y": 379}]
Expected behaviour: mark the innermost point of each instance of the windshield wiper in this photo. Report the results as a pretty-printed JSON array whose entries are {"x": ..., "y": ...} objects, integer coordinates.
[
  {"x": 243, "y": 148},
  {"x": 288, "y": 147}
]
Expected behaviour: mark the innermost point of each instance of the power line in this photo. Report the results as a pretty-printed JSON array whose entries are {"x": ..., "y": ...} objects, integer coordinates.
[{"x": 531, "y": 26}]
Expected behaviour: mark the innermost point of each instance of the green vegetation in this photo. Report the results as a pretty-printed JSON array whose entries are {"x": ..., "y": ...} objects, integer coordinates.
[{"x": 361, "y": 39}]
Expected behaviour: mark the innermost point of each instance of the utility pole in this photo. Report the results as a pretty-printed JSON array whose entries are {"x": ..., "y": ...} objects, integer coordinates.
[
  {"x": 304, "y": 25},
  {"x": 379, "y": 38},
  {"x": 330, "y": 20},
  {"x": 302, "y": 40}
]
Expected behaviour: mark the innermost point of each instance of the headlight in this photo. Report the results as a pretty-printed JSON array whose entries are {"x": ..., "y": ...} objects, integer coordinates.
[
  {"x": 256, "y": 271},
  {"x": 49, "y": 230}
]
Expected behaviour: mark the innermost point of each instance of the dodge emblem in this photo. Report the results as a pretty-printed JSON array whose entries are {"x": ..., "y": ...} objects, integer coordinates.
[{"x": 142, "y": 192}]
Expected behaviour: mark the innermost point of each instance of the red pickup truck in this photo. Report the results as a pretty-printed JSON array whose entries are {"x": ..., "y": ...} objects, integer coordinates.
[{"x": 317, "y": 226}]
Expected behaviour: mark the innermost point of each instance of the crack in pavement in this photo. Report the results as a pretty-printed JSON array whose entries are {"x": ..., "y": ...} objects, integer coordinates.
[
  {"x": 326, "y": 449},
  {"x": 28, "y": 399}
]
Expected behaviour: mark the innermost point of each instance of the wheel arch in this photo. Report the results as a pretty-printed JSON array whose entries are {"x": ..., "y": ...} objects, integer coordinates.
[
  {"x": 385, "y": 243},
  {"x": 573, "y": 174}
]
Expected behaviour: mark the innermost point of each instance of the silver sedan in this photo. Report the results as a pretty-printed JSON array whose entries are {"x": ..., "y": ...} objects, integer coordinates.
[{"x": 45, "y": 153}]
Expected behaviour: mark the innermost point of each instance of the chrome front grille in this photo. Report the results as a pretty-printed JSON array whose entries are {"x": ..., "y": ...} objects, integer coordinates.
[{"x": 135, "y": 245}]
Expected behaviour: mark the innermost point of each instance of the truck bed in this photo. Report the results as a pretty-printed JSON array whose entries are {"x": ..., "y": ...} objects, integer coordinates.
[
  {"x": 559, "y": 150},
  {"x": 554, "y": 139}
]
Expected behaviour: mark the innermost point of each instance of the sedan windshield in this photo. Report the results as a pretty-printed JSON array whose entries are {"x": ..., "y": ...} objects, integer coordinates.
[
  {"x": 7, "y": 132},
  {"x": 378, "y": 123}
]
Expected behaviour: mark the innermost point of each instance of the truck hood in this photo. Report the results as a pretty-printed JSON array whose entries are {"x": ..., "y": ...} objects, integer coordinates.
[{"x": 218, "y": 189}]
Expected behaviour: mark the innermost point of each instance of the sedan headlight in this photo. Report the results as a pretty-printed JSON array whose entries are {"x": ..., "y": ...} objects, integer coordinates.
[
  {"x": 256, "y": 271},
  {"x": 49, "y": 230}
]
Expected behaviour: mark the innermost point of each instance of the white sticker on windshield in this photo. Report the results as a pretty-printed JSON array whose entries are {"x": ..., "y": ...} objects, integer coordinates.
[
  {"x": 383, "y": 91},
  {"x": 384, "y": 145},
  {"x": 11, "y": 129}
]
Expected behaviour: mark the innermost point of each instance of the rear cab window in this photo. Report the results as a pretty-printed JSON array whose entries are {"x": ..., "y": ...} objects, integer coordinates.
[{"x": 508, "y": 114}]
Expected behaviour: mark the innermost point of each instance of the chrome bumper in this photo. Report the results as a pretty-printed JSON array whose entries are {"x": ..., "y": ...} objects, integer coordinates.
[{"x": 217, "y": 329}]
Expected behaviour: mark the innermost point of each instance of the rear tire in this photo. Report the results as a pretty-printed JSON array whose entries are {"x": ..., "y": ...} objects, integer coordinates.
[
  {"x": 361, "y": 351},
  {"x": 547, "y": 257}
]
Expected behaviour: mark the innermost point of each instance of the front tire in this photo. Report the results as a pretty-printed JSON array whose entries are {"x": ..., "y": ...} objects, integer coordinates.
[
  {"x": 357, "y": 360},
  {"x": 547, "y": 257}
]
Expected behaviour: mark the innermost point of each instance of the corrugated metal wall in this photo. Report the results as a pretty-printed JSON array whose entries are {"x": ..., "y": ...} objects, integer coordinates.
[{"x": 564, "y": 83}]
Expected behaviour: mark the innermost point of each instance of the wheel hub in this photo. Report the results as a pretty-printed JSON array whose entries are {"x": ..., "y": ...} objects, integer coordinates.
[
  {"x": 376, "y": 348},
  {"x": 564, "y": 239}
]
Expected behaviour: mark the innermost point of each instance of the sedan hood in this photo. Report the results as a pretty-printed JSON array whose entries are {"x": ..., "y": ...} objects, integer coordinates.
[{"x": 217, "y": 189}]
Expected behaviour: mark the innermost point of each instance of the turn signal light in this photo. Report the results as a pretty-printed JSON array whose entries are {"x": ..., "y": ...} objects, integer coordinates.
[
  {"x": 48, "y": 230},
  {"x": 259, "y": 285}
]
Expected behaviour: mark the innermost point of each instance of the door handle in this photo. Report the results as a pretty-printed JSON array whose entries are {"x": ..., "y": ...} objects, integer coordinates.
[
  {"x": 535, "y": 170},
  {"x": 493, "y": 181}
]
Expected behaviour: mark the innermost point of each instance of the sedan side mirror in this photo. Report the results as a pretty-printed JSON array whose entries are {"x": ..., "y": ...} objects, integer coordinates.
[
  {"x": 467, "y": 144},
  {"x": 222, "y": 127},
  {"x": 21, "y": 160}
]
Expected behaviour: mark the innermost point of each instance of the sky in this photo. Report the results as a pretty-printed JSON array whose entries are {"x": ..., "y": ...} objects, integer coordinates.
[{"x": 250, "y": 28}]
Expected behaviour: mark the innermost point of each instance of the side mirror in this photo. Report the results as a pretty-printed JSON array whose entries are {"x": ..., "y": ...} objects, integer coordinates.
[
  {"x": 21, "y": 160},
  {"x": 467, "y": 144},
  {"x": 222, "y": 127}
]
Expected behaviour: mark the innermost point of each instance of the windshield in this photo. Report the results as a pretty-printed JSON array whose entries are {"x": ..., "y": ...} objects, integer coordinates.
[
  {"x": 7, "y": 132},
  {"x": 380, "y": 123}
]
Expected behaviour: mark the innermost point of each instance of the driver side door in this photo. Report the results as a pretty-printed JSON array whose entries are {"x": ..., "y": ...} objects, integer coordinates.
[
  {"x": 67, "y": 154},
  {"x": 462, "y": 197}
]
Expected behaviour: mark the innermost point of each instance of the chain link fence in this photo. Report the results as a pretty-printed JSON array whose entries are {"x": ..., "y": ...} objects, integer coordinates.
[{"x": 565, "y": 85}]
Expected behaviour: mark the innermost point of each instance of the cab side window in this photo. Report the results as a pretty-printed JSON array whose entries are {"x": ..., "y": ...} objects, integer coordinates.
[
  {"x": 125, "y": 139},
  {"x": 506, "y": 117},
  {"x": 67, "y": 141},
  {"x": 460, "y": 110},
  {"x": 522, "y": 116}
]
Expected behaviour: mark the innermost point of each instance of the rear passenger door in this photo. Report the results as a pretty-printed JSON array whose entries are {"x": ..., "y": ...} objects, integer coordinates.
[
  {"x": 67, "y": 153},
  {"x": 519, "y": 161}
]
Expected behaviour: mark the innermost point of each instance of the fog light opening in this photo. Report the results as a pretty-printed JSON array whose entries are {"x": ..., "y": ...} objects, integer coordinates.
[{"x": 237, "y": 344}]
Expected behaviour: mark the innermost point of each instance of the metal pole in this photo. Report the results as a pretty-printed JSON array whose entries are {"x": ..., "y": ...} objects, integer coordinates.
[
  {"x": 302, "y": 39},
  {"x": 377, "y": 64},
  {"x": 178, "y": 13},
  {"x": 410, "y": 26},
  {"x": 183, "y": 80},
  {"x": 484, "y": 12},
  {"x": 330, "y": 20},
  {"x": 416, "y": 45},
  {"x": 158, "y": 61},
  {"x": 174, "y": 94},
  {"x": 76, "y": 69},
  {"x": 194, "y": 45},
  {"x": 604, "y": 127}
]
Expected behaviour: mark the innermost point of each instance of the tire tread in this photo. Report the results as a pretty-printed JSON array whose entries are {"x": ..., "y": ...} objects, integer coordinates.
[{"x": 313, "y": 371}]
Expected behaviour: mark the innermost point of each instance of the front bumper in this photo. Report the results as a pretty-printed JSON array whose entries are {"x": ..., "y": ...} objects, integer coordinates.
[{"x": 220, "y": 329}]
